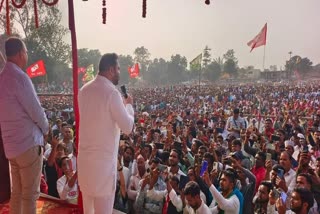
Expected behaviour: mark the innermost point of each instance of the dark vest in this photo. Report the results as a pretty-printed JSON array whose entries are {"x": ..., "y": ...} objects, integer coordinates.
[{"x": 172, "y": 209}]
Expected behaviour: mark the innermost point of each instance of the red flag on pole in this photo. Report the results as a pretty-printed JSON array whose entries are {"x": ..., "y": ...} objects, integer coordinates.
[
  {"x": 134, "y": 71},
  {"x": 260, "y": 39},
  {"x": 36, "y": 69}
]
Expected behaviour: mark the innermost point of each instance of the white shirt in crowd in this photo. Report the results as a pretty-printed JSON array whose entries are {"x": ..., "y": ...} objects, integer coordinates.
[
  {"x": 229, "y": 205},
  {"x": 290, "y": 178},
  {"x": 65, "y": 192}
]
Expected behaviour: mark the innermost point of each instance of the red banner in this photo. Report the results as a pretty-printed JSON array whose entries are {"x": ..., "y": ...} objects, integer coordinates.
[
  {"x": 134, "y": 71},
  {"x": 37, "y": 69},
  {"x": 260, "y": 39},
  {"x": 81, "y": 69}
]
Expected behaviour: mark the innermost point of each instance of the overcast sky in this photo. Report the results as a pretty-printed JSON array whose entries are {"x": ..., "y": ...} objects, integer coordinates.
[{"x": 187, "y": 26}]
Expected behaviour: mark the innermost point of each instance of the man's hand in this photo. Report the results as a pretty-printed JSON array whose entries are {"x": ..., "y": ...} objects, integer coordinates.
[
  {"x": 145, "y": 181},
  {"x": 269, "y": 165},
  {"x": 214, "y": 174},
  {"x": 54, "y": 142},
  {"x": 154, "y": 177},
  {"x": 128, "y": 100},
  {"x": 137, "y": 154},
  {"x": 206, "y": 178},
  {"x": 281, "y": 184},
  {"x": 69, "y": 173},
  {"x": 272, "y": 198},
  {"x": 281, "y": 207}
]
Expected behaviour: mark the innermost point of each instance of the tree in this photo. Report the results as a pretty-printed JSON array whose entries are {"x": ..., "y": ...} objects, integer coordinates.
[
  {"x": 230, "y": 65},
  {"x": 87, "y": 57},
  {"x": 230, "y": 55},
  {"x": 142, "y": 56},
  {"x": 213, "y": 71},
  {"x": 177, "y": 67},
  {"x": 300, "y": 64},
  {"x": 158, "y": 72},
  {"x": 206, "y": 59},
  {"x": 220, "y": 61}
]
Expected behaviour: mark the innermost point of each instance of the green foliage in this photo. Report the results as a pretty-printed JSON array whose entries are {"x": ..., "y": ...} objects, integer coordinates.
[
  {"x": 177, "y": 68},
  {"x": 213, "y": 71},
  {"x": 87, "y": 57},
  {"x": 230, "y": 65},
  {"x": 158, "y": 72},
  {"x": 300, "y": 64},
  {"x": 230, "y": 55},
  {"x": 125, "y": 62}
]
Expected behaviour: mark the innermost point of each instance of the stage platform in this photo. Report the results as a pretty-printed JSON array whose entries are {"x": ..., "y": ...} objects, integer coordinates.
[{"x": 46, "y": 205}]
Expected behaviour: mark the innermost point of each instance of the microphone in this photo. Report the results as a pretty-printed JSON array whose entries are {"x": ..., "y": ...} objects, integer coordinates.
[{"x": 124, "y": 91}]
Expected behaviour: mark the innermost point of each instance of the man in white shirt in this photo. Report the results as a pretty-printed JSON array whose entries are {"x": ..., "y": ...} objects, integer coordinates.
[
  {"x": 288, "y": 182},
  {"x": 192, "y": 196},
  {"x": 103, "y": 113},
  {"x": 235, "y": 123},
  {"x": 225, "y": 201}
]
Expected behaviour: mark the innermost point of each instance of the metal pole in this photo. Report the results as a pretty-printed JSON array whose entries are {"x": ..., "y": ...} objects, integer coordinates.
[
  {"x": 199, "y": 77},
  {"x": 289, "y": 63},
  {"x": 264, "y": 57}
]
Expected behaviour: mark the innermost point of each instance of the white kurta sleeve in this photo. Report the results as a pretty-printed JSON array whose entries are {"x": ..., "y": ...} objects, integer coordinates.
[
  {"x": 224, "y": 203},
  {"x": 123, "y": 115},
  {"x": 176, "y": 200},
  {"x": 132, "y": 194}
]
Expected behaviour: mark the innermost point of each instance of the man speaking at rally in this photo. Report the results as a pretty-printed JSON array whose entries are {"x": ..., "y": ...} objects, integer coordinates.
[{"x": 103, "y": 113}]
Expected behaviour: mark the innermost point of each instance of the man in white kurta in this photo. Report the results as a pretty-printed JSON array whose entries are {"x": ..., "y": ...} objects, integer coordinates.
[{"x": 103, "y": 113}]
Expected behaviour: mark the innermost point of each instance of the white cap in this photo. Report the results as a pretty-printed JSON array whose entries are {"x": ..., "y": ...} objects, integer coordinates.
[
  {"x": 300, "y": 136},
  {"x": 288, "y": 143}
]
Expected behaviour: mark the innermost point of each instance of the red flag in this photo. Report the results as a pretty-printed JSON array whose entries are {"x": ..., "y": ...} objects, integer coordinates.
[
  {"x": 81, "y": 70},
  {"x": 260, "y": 39},
  {"x": 36, "y": 69},
  {"x": 134, "y": 71}
]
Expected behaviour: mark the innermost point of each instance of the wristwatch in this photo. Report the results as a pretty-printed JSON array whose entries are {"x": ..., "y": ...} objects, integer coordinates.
[{"x": 120, "y": 169}]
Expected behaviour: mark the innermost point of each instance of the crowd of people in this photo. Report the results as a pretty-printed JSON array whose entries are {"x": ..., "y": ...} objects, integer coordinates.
[
  {"x": 54, "y": 88},
  {"x": 218, "y": 149},
  {"x": 238, "y": 148}
]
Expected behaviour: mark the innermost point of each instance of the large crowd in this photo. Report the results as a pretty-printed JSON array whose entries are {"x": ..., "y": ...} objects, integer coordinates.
[
  {"x": 54, "y": 88},
  {"x": 211, "y": 149}
]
